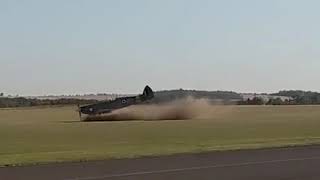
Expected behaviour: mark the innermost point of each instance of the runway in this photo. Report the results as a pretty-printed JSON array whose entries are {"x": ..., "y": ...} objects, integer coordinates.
[{"x": 295, "y": 163}]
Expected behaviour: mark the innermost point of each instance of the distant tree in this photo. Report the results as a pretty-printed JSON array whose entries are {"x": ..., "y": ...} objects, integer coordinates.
[
  {"x": 1, "y": 94},
  {"x": 257, "y": 101},
  {"x": 277, "y": 101},
  {"x": 253, "y": 101}
]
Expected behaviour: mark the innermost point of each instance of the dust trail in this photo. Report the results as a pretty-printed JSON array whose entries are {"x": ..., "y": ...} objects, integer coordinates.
[{"x": 188, "y": 108}]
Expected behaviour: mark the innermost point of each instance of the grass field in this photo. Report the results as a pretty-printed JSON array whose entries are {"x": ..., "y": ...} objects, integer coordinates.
[{"x": 42, "y": 135}]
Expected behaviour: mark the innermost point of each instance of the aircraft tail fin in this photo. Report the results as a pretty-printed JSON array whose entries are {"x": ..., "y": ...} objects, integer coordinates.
[{"x": 147, "y": 93}]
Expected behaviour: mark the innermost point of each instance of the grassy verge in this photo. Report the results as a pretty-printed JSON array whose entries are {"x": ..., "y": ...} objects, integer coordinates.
[{"x": 42, "y": 135}]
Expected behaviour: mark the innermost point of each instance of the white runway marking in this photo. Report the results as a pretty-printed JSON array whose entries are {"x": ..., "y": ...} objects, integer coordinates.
[{"x": 193, "y": 168}]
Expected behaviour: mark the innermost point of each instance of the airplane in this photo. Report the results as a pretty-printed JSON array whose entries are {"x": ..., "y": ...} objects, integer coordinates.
[{"x": 106, "y": 107}]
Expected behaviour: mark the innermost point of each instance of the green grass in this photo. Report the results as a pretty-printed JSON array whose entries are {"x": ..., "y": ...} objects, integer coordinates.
[{"x": 42, "y": 135}]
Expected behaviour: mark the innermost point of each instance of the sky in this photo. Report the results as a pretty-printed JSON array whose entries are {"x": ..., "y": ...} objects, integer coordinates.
[{"x": 119, "y": 46}]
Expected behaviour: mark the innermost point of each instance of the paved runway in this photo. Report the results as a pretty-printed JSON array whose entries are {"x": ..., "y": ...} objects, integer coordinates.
[{"x": 299, "y": 163}]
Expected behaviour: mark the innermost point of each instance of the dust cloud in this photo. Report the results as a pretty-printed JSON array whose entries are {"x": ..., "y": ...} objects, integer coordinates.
[{"x": 183, "y": 109}]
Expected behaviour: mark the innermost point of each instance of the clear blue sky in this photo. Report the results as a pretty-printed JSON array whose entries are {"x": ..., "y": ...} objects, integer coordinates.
[{"x": 82, "y": 46}]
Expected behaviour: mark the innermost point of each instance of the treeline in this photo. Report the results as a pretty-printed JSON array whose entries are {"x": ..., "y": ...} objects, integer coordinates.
[
  {"x": 301, "y": 97},
  {"x": 6, "y": 102},
  {"x": 226, "y": 97},
  {"x": 298, "y": 97},
  {"x": 171, "y": 95},
  {"x": 272, "y": 101},
  {"x": 160, "y": 97}
]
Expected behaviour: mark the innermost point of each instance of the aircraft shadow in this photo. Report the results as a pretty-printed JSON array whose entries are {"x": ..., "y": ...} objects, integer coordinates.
[{"x": 108, "y": 119}]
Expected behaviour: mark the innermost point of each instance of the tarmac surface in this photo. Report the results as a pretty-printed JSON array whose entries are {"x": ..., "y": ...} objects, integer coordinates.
[{"x": 296, "y": 163}]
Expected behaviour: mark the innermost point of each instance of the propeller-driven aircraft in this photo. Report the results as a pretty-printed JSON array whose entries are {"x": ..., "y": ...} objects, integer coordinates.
[{"x": 105, "y": 107}]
